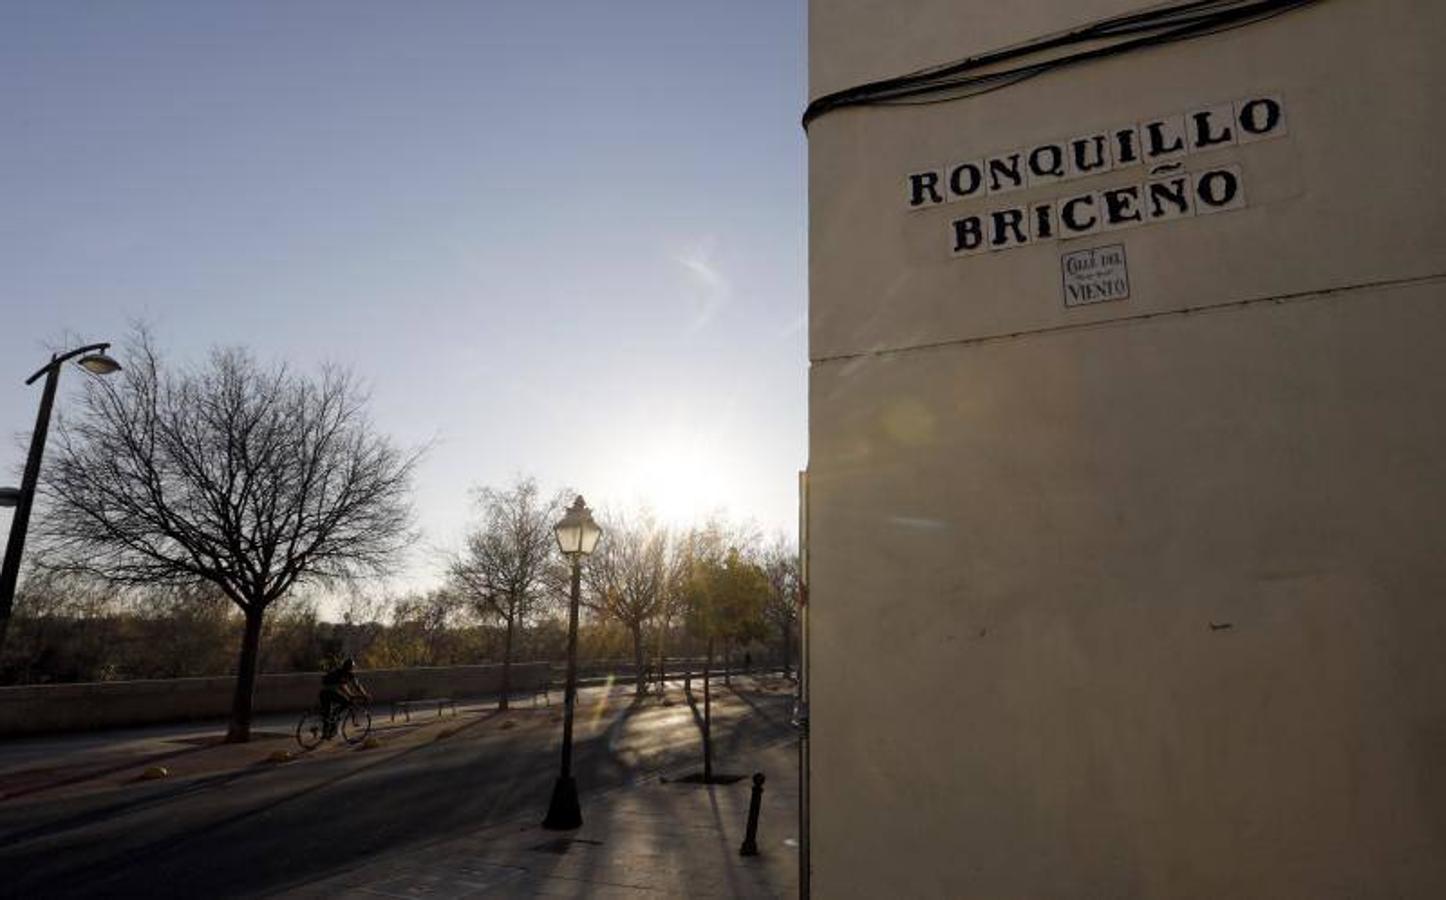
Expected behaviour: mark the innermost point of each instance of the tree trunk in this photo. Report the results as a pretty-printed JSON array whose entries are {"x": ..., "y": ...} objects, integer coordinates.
[
  {"x": 708, "y": 717},
  {"x": 239, "y": 731},
  {"x": 662, "y": 663},
  {"x": 639, "y": 676},
  {"x": 787, "y": 651},
  {"x": 728, "y": 663},
  {"x": 507, "y": 664}
]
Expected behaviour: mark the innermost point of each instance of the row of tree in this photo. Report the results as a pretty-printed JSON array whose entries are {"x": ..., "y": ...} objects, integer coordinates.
[
  {"x": 719, "y": 584},
  {"x": 235, "y": 480},
  {"x": 72, "y": 630}
]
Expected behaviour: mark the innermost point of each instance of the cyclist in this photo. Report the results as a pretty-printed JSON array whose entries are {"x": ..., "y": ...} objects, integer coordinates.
[{"x": 339, "y": 687}]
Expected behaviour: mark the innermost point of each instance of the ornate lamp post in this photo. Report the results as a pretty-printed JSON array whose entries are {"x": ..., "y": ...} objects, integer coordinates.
[
  {"x": 94, "y": 361},
  {"x": 577, "y": 536}
]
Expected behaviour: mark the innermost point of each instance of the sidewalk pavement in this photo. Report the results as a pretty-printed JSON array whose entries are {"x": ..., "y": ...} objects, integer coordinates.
[{"x": 654, "y": 837}]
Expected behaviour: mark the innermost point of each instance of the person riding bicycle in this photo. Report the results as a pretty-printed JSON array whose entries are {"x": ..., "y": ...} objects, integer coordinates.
[{"x": 339, "y": 688}]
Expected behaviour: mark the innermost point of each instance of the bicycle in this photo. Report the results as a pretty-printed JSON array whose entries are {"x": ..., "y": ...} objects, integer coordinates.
[{"x": 352, "y": 720}]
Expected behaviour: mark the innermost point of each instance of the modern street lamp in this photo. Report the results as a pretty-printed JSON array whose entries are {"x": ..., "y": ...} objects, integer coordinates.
[
  {"x": 94, "y": 360},
  {"x": 577, "y": 536}
]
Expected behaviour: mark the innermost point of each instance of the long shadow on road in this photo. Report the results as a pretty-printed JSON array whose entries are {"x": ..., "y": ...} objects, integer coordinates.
[
  {"x": 769, "y": 716},
  {"x": 179, "y": 835},
  {"x": 204, "y": 839},
  {"x": 90, "y": 773},
  {"x": 158, "y": 796},
  {"x": 400, "y": 803}
]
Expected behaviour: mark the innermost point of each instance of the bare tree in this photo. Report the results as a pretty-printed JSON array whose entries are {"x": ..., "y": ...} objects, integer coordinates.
[
  {"x": 421, "y": 633},
  {"x": 672, "y": 602},
  {"x": 504, "y": 569},
  {"x": 627, "y": 579},
  {"x": 253, "y": 479},
  {"x": 780, "y": 565}
]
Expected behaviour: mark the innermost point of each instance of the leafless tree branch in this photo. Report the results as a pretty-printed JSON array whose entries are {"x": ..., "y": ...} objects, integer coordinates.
[{"x": 256, "y": 480}]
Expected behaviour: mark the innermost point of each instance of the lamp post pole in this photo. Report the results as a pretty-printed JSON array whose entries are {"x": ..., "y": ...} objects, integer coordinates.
[
  {"x": 564, "y": 813},
  {"x": 577, "y": 535},
  {"x": 25, "y": 499}
]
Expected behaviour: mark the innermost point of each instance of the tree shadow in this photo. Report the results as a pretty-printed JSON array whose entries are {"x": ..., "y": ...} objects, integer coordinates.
[
  {"x": 697, "y": 716},
  {"x": 104, "y": 770},
  {"x": 137, "y": 804},
  {"x": 698, "y": 777},
  {"x": 195, "y": 786},
  {"x": 773, "y": 720}
]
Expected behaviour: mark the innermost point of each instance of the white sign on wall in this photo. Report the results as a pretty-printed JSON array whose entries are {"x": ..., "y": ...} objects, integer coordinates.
[{"x": 1095, "y": 275}]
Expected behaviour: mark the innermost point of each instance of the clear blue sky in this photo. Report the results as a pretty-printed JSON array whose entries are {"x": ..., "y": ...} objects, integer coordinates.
[{"x": 561, "y": 238}]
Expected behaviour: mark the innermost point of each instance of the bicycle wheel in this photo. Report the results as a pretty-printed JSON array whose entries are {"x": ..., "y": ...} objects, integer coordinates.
[
  {"x": 311, "y": 729},
  {"x": 356, "y": 724}
]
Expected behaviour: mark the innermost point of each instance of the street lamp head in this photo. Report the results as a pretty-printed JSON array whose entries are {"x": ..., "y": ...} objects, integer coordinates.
[
  {"x": 98, "y": 364},
  {"x": 9, "y": 496},
  {"x": 577, "y": 533}
]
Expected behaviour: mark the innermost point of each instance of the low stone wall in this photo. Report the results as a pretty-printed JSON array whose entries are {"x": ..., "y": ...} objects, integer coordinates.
[{"x": 78, "y": 707}]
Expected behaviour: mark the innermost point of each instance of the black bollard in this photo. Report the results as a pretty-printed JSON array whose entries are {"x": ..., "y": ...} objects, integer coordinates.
[{"x": 750, "y": 840}]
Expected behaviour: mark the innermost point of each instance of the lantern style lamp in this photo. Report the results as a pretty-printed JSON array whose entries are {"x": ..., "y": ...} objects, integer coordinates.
[{"x": 577, "y": 533}]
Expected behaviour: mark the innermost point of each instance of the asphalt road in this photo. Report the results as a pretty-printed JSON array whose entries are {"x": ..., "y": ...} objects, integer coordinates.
[{"x": 262, "y": 829}]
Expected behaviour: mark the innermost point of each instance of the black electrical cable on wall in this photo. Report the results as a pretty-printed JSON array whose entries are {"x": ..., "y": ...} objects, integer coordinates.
[{"x": 1121, "y": 34}]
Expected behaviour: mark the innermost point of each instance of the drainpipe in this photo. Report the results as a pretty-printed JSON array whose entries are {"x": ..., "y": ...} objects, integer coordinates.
[{"x": 800, "y": 709}]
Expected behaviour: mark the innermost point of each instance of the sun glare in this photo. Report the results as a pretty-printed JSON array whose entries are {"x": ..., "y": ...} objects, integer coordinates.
[{"x": 681, "y": 481}]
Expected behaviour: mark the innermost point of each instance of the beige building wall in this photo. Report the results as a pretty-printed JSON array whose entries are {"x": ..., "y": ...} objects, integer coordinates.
[{"x": 1144, "y": 598}]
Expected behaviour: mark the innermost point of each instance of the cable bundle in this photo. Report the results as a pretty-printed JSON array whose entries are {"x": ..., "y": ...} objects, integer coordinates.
[{"x": 976, "y": 75}]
